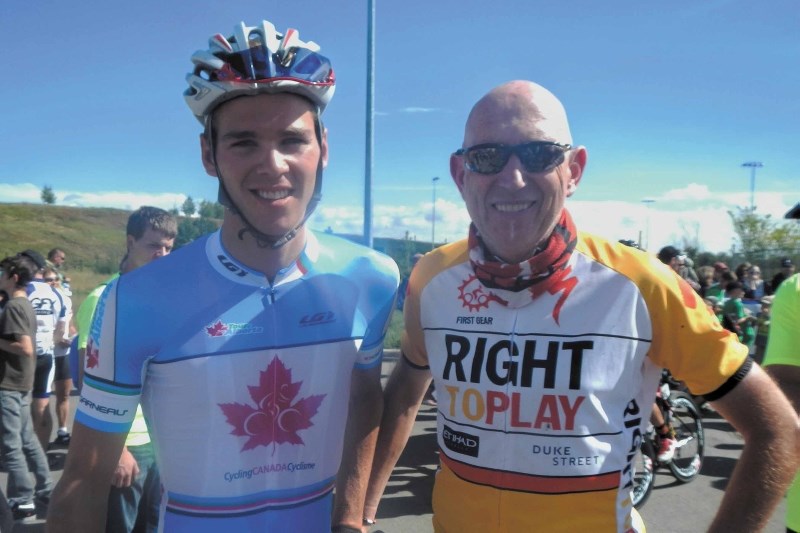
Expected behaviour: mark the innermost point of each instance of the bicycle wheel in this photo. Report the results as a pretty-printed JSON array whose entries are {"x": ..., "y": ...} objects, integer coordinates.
[
  {"x": 644, "y": 473},
  {"x": 688, "y": 426}
]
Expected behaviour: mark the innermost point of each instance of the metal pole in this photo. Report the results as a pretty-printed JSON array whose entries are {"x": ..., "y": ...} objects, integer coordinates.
[
  {"x": 370, "y": 141},
  {"x": 647, "y": 202},
  {"x": 433, "y": 218},
  {"x": 753, "y": 165}
]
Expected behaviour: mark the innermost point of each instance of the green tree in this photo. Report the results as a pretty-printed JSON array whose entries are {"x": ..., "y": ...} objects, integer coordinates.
[
  {"x": 190, "y": 229},
  {"x": 188, "y": 207},
  {"x": 210, "y": 210},
  {"x": 48, "y": 196},
  {"x": 760, "y": 235}
]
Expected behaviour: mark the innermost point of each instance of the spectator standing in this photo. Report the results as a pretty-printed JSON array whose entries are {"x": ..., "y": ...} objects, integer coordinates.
[
  {"x": 19, "y": 446},
  {"x": 754, "y": 286},
  {"x": 705, "y": 275},
  {"x": 519, "y": 316},
  {"x": 763, "y": 322},
  {"x": 51, "y": 324},
  {"x": 734, "y": 310},
  {"x": 60, "y": 376},
  {"x": 787, "y": 269},
  {"x": 135, "y": 491},
  {"x": 259, "y": 368}
]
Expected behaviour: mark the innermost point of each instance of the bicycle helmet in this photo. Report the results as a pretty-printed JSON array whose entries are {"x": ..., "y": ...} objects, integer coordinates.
[{"x": 257, "y": 60}]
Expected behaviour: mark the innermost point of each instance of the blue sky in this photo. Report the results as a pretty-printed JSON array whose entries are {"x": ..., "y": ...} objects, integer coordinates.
[{"x": 670, "y": 98}]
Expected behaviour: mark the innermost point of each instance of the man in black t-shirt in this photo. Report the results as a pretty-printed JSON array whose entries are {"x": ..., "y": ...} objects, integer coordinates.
[{"x": 18, "y": 443}]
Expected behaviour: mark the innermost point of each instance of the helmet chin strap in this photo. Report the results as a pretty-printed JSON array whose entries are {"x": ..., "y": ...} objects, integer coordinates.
[{"x": 262, "y": 239}]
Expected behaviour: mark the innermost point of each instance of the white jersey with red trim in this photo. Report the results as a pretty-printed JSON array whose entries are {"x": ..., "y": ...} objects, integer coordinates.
[
  {"x": 542, "y": 402},
  {"x": 244, "y": 385}
]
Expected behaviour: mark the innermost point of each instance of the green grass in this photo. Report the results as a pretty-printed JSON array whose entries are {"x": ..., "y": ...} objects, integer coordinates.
[
  {"x": 392, "y": 339},
  {"x": 94, "y": 241}
]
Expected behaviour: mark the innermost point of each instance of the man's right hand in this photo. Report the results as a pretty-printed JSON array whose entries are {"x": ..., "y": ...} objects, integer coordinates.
[{"x": 126, "y": 470}]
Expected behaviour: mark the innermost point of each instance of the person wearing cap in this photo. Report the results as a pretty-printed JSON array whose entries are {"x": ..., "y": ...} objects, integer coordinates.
[
  {"x": 547, "y": 343},
  {"x": 786, "y": 271},
  {"x": 782, "y": 361},
  {"x": 255, "y": 351}
]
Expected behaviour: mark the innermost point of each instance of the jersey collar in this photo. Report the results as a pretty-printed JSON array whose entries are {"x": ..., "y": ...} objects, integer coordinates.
[{"x": 226, "y": 265}]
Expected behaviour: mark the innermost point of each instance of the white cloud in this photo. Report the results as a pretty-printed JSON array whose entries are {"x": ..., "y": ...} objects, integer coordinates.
[
  {"x": 413, "y": 109},
  {"x": 129, "y": 200},
  {"x": 679, "y": 217}
]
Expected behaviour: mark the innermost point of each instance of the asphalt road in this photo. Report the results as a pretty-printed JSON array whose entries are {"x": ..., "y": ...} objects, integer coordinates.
[{"x": 673, "y": 507}]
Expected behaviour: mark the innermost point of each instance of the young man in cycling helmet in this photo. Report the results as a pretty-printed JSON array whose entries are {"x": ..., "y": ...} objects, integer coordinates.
[{"x": 256, "y": 350}]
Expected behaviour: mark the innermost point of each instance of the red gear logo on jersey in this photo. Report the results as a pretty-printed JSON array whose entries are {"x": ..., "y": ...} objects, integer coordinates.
[
  {"x": 92, "y": 355},
  {"x": 274, "y": 419},
  {"x": 473, "y": 294}
]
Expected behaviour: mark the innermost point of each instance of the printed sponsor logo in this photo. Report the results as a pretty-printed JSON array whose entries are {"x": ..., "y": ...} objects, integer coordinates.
[
  {"x": 461, "y": 442},
  {"x": 278, "y": 416},
  {"x": 231, "y": 266},
  {"x": 92, "y": 354},
  {"x": 317, "y": 319},
  {"x": 268, "y": 469},
  {"x": 43, "y": 306},
  {"x": 102, "y": 408},
  {"x": 220, "y": 329},
  {"x": 474, "y": 296}
]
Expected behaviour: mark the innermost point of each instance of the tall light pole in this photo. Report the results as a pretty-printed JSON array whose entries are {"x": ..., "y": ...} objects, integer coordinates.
[
  {"x": 433, "y": 217},
  {"x": 647, "y": 202},
  {"x": 370, "y": 141},
  {"x": 753, "y": 165}
]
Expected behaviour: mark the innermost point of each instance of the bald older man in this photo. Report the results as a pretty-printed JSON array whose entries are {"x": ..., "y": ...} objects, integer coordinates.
[{"x": 546, "y": 345}]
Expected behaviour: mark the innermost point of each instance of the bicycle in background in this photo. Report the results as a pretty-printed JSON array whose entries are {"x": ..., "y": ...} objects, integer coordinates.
[{"x": 682, "y": 414}]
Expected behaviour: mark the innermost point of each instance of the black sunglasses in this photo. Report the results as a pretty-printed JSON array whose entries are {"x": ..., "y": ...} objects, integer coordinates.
[
  {"x": 50, "y": 280},
  {"x": 491, "y": 158}
]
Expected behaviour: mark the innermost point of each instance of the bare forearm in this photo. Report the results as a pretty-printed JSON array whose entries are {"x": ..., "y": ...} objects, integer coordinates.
[
  {"x": 22, "y": 347},
  {"x": 402, "y": 397},
  {"x": 74, "y": 507},
  {"x": 768, "y": 462},
  {"x": 395, "y": 431},
  {"x": 360, "y": 438}
]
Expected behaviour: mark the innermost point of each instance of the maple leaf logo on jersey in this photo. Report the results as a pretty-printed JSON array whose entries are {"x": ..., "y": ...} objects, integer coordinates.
[
  {"x": 472, "y": 295},
  {"x": 217, "y": 330},
  {"x": 92, "y": 355},
  {"x": 277, "y": 417}
]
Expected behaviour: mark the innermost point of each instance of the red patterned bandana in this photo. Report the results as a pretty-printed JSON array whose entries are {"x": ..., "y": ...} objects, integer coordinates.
[{"x": 546, "y": 271}]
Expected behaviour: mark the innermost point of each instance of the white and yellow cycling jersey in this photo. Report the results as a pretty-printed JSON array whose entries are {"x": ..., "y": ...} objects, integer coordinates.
[{"x": 543, "y": 400}]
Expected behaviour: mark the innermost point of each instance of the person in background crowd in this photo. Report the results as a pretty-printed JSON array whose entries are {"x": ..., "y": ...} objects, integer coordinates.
[
  {"x": 60, "y": 376},
  {"x": 763, "y": 321},
  {"x": 51, "y": 324},
  {"x": 688, "y": 272},
  {"x": 754, "y": 286},
  {"x": 255, "y": 350},
  {"x": 782, "y": 361},
  {"x": 135, "y": 485},
  {"x": 718, "y": 289},
  {"x": 705, "y": 275},
  {"x": 734, "y": 310},
  {"x": 20, "y": 450},
  {"x": 787, "y": 269},
  {"x": 741, "y": 270},
  {"x": 528, "y": 311}
]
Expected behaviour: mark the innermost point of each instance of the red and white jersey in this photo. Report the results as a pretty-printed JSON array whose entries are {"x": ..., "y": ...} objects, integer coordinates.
[{"x": 543, "y": 401}]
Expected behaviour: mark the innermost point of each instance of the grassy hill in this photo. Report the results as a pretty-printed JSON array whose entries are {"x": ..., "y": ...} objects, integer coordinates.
[{"x": 94, "y": 242}]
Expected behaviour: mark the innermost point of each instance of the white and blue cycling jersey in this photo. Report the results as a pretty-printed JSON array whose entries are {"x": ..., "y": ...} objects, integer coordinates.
[
  {"x": 50, "y": 310},
  {"x": 244, "y": 384}
]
